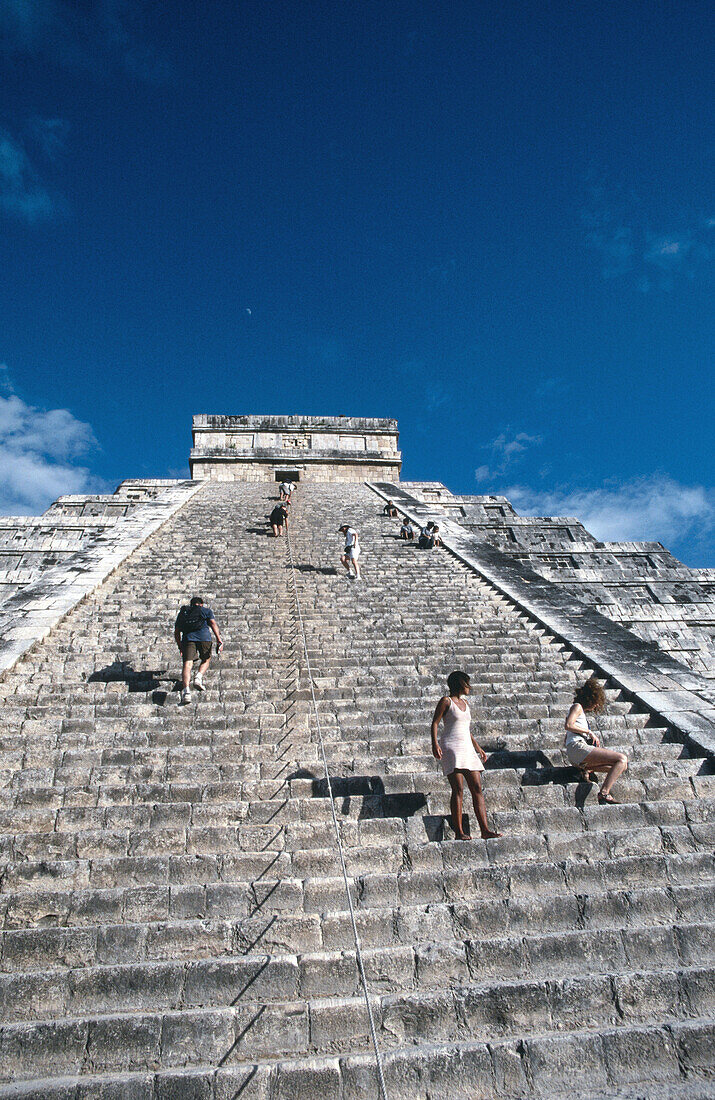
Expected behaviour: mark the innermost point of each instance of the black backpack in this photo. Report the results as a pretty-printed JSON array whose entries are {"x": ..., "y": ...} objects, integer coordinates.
[{"x": 190, "y": 619}]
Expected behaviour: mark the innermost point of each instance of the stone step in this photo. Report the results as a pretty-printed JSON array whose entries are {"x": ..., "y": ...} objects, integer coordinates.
[
  {"x": 483, "y": 1011},
  {"x": 393, "y": 793},
  {"x": 214, "y": 981},
  {"x": 92, "y": 944},
  {"x": 288, "y": 808},
  {"x": 301, "y": 825},
  {"x": 235, "y": 888},
  {"x": 674, "y": 1062},
  {"x": 385, "y": 847}
]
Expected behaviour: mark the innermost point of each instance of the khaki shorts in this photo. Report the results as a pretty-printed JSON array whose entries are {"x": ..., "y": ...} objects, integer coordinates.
[
  {"x": 196, "y": 651},
  {"x": 578, "y": 750}
]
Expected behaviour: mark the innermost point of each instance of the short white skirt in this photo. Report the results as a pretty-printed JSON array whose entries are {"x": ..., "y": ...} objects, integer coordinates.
[{"x": 458, "y": 754}]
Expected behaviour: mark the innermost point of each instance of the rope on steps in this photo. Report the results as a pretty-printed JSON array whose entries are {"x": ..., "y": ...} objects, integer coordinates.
[{"x": 356, "y": 934}]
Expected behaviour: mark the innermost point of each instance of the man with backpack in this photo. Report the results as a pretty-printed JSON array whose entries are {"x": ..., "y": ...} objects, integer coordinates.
[
  {"x": 278, "y": 518},
  {"x": 192, "y": 633}
]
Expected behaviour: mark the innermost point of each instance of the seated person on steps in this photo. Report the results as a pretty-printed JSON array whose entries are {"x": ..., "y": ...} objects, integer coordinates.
[
  {"x": 583, "y": 748},
  {"x": 406, "y": 531},
  {"x": 192, "y": 633},
  {"x": 390, "y": 510},
  {"x": 428, "y": 537}
]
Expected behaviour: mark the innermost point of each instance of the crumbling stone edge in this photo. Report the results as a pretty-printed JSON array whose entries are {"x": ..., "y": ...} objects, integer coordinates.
[
  {"x": 31, "y": 614},
  {"x": 655, "y": 680}
]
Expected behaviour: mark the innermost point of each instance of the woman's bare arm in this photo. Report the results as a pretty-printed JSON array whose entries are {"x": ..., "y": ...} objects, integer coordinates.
[
  {"x": 437, "y": 718},
  {"x": 575, "y": 713}
]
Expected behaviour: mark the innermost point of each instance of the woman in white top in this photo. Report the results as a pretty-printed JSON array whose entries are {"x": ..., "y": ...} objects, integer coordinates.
[
  {"x": 351, "y": 554},
  {"x": 462, "y": 758},
  {"x": 583, "y": 748}
]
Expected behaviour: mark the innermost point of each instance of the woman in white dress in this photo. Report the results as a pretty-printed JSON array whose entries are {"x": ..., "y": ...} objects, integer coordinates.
[
  {"x": 583, "y": 748},
  {"x": 462, "y": 758}
]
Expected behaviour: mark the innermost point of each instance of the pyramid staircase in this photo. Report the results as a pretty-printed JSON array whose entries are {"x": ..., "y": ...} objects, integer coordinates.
[{"x": 174, "y": 920}]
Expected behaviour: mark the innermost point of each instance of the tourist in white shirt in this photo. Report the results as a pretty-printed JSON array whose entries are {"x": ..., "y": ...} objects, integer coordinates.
[{"x": 351, "y": 555}]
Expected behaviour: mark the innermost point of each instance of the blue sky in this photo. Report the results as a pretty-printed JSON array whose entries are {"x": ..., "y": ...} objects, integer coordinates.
[{"x": 494, "y": 221}]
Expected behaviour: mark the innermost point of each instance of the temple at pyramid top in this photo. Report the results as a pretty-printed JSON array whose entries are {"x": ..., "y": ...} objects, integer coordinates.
[{"x": 297, "y": 448}]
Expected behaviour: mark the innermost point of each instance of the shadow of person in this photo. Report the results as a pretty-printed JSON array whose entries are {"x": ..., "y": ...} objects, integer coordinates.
[
  {"x": 584, "y": 787},
  {"x": 531, "y": 760},
  {"x": 141, "y": 680},
  {"x": 324, "y": 570}
]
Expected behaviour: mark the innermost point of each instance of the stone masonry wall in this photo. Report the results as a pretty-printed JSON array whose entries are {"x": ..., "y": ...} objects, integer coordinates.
[{"x": 640, "y": 585}]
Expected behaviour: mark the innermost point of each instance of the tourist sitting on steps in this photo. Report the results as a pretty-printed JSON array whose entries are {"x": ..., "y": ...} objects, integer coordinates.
[
  {"x": 427, "y": 537},
  {"x": 583, "y": 748},
  {"x": 192, "y": 632},
  {"x": 351, "y": 554},
  {"x": 390, "y": 510},
  {"x": 406, "y": 531},
  {"x": 278, "y": 518},
  {"x": 462, "y": 758}
]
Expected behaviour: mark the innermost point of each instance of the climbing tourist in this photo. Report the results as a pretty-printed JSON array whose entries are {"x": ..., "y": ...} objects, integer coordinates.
[
  {"x": 462, "y": 758},
  {"x": 390, "y": 510},
  {"x": 192, "y": 633},
  {"x": 278, "y": 518},
  {"x": 583, "y": 748},
  {"x": 351, "y": 555},
  {"x": 285, "y": 490},
  {"x": 406, "y": 531}
]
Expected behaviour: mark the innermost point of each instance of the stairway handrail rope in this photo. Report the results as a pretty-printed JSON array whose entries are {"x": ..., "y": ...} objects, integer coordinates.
[{"x": 356, "y": 934}]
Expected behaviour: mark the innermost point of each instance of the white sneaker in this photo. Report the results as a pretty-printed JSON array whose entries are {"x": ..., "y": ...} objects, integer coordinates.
[
  {"x": 199, "y": 683},
  {"x": 185, "y": 696}
]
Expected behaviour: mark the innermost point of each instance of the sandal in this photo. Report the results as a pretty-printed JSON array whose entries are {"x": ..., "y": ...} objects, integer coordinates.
[{"x": 606, "y": 799}]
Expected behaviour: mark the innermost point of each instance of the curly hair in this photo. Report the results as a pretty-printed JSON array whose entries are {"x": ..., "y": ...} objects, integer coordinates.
[
  {"x": 457, "y": 682},
  {"x": 591, "y": 695}
]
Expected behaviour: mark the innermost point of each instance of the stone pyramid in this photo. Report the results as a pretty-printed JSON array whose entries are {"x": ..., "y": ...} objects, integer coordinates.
[{"x": 174, "y": 916}]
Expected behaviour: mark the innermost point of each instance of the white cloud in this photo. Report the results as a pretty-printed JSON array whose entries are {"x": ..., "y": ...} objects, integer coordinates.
[
  {"x": 650, "y": 509},
  {"x": 5, "y": 383},
  {"x": 506, "y": 448},
  {"x": 22, "y": 195},
  {"x": 38, "y": 449}
]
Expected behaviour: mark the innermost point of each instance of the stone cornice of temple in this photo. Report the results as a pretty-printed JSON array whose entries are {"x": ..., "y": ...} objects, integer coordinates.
[
  {"x": 295, "y": 458},
  {"x": 313, "y": 423}
]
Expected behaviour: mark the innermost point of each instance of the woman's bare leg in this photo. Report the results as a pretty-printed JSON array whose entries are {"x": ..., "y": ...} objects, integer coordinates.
[
  {"x": 455, "y": 805},
  {"x": 475, "y": 785},
  {"x": 604, "y": 760}
]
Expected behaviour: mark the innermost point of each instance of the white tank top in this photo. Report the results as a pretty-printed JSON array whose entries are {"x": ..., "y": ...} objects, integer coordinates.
[
  {"x": 456, "y": 721},
  {"x": 582, "y": 723}
]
